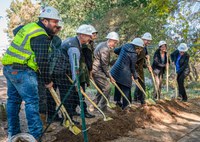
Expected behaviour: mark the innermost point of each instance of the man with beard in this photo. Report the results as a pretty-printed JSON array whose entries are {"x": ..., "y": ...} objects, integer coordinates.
[{"x": 27, "y": 56}]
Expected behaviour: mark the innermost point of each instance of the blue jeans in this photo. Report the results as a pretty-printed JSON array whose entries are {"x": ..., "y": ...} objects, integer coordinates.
[{"x": 22, "y": 86}]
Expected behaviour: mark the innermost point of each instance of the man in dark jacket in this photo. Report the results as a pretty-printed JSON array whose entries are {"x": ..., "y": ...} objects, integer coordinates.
[
  {"x": 73, "y": 46},
  {"x": 140, "y": 65},
  {"x": 181, "y": 61},
  {"x": 123, "y": 71},
  {"x": 86, "y": 67},
  {"x": 28, "y": 55},
  {"x": 58, "y": 69},
  {"x": 100, "y": 70}
]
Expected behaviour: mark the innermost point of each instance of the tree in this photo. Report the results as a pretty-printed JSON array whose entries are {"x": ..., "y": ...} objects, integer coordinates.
[{"x": 21, "y": 13}]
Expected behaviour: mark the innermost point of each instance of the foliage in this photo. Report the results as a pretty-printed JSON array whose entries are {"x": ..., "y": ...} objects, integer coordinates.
[{"x": 20, "y": 13}]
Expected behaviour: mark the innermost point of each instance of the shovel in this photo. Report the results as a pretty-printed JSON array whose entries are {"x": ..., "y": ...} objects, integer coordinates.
[
  {"x": 176, "y": 86},
  {"x": 122, "y": 93},
  {"x": 167, "y": 74},
  {"x": 86, "y": 96},
  {"x": 67, "y": 123},
  {"x": 109, "y": 104},
  {"x": 140, "y": 87}
]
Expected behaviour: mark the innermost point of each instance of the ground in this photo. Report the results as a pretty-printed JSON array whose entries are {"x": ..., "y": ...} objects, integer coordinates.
[{"x": 168, "y": 121}]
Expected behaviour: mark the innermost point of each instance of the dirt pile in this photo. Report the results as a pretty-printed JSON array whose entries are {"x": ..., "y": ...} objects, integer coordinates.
[{"x": 125, "y": 121}]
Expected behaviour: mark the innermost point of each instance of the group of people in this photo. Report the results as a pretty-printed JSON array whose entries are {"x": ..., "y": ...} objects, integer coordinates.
[{"x": 38, "y": 59}]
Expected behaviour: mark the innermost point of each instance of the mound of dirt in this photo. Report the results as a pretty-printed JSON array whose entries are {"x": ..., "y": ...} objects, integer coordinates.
[{"x": 125, "y": 121}]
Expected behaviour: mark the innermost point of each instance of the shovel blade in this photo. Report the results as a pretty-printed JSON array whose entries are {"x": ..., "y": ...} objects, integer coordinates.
[
  {"x": 111, "y": 105},
  {"x": 107, "y": 119},
  {"x": 150, "y": 101},
  {"x": 74, "y": 129}
]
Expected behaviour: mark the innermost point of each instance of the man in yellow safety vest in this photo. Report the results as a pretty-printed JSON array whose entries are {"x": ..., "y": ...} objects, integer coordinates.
[{"x": 27, "y": 56}]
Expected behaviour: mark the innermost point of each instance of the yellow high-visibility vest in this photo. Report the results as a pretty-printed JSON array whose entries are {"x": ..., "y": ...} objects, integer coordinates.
[{"x": 20, "y": 51}]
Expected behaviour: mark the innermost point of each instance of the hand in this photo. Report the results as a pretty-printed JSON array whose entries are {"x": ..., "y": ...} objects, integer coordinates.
[
  {"x": 148, "y": 57},
  {"x": 112, "y": 80},
  {"x": 173, "y": 64},
  {"x": 167, "y": 64},
  {"x": 91, "y": 75},
  {"x": 134, "y": 78},
  {"x": 149, "y": 68},
  {"x": 49, "y": 85}
]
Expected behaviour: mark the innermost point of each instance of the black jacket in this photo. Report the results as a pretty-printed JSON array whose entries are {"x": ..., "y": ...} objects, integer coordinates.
[
  {"x": 88, "y": 54},
  {"x": 158, "y": 66},
  {"x": 183, "y": 62},
  {"x": 40, "y": 45},
  {"x": 124, "y": 68}
]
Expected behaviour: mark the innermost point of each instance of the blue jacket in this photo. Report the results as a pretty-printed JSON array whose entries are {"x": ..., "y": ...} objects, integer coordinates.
[
  {"x": 183, "y": 62},
  {"x": 124, "y": 68}
]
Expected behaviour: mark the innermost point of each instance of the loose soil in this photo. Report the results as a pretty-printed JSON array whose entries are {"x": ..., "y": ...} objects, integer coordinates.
[{"x": 165, "y": 121}]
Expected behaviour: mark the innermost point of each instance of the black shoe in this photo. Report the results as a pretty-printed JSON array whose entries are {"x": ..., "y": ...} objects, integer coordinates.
[
  {"x": 88, "y": 115},
  {"x": 75, "y": 122},
  {"x": 119, "y": 104},
  {"x": 76, "y": 114},
  {"x": 56, "y": 119}
]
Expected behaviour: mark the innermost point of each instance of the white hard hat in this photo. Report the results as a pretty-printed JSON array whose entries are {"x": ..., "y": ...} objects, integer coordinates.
[
  {"x": 50, "y": 13},
  {"x": 183, "y": 47},
  {"x": 147, "y": 36},
  {"x": 138, "y": 42},
  {"x": 93, "y": 29},
  {"x": 162, "y": 42},
  {"x": 84, "y": 29},
  {"x": 113, "y": 36}
]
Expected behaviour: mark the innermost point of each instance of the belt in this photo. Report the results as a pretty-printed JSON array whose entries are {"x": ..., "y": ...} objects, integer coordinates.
[{"x": 20, "y": 66}]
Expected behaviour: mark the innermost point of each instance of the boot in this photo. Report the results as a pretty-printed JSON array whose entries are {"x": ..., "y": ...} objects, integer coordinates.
[
  {"x": 44, "y": 122},
  {"x": 43, "y": 118},
  {"x": 75, "y": 122}
]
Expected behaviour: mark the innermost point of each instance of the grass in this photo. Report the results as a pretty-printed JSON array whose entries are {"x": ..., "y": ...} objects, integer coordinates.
[{"x": 192, "y": 89}]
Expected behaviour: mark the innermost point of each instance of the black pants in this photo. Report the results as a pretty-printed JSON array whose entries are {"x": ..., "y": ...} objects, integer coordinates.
[
  {"x": 60, "y": 82},
  {"x": 180, "y": 79},
  {"x": 42, "y": 96},
  {"x": 73, "y": 101},
  {"x": 84, "y": 103},
  {"x": 138, "y": 94},
  {"x": 118, "y": 96}
]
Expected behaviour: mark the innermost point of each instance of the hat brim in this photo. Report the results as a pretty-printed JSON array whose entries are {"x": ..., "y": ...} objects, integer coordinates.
[{"x": 180, "y": 49}]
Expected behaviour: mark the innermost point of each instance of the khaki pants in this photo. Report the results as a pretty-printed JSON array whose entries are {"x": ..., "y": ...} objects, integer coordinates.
[{"x": 104, "y": 85}]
